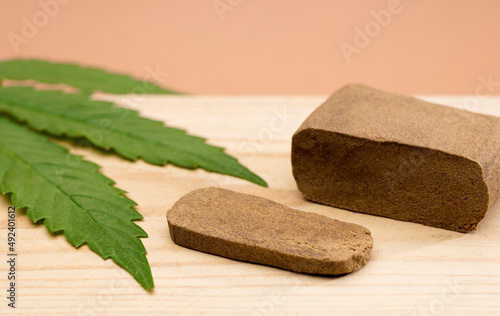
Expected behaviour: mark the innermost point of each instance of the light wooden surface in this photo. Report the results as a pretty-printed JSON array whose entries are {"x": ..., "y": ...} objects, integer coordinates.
[{"x": 415, "y": 270}]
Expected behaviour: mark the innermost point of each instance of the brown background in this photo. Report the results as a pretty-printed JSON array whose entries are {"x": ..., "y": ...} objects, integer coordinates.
[{"x": 267, "y": 47}]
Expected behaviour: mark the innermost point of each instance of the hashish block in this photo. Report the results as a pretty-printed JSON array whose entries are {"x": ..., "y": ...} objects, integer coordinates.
[
  {"x": 396, "y": 156},
  {"x": 250, "y": 228}
]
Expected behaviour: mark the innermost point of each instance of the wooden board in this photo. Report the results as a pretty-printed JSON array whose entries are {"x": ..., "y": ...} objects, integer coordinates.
[{"x": 415, "y": 270}]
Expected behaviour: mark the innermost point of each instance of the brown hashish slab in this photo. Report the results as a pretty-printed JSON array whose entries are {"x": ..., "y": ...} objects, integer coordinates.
[
  {"x": 250, "y": 228},
  {"x": 400, "y": 157}
]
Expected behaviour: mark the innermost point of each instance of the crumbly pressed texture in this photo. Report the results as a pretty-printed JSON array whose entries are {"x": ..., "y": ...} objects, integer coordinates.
[
  {"x": 396, "y": 156},
  {"x": 253, "y": 229}
]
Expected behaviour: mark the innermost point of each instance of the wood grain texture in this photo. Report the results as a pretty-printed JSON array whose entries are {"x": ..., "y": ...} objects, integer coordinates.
[{"x": 415, "y": 270}]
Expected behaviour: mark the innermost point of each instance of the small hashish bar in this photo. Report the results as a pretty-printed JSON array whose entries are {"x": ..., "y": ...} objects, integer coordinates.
[
  {"x": 250, "y": 228},
  {"x": 396, "y": 156}
]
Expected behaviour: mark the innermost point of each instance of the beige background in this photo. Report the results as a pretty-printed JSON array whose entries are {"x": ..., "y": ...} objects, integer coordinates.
[{"x": 267, "y": 47}]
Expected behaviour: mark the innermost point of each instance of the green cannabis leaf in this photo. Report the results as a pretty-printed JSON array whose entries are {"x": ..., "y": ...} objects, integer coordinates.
[
  {"x": 120, "y": 129},
  {"x": 69, "y": 193},
  {"x": 85, "y": 79},
  {"x": 71, "y": 196}
]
